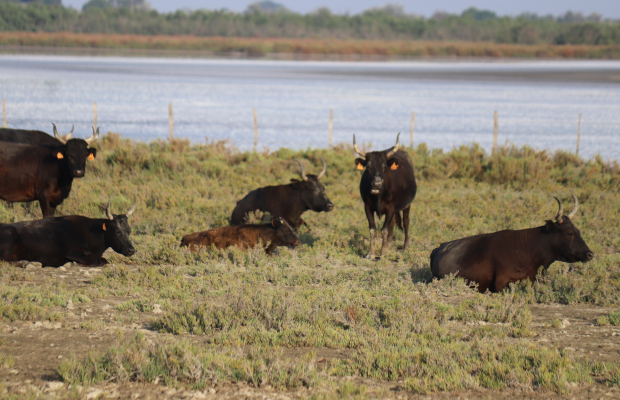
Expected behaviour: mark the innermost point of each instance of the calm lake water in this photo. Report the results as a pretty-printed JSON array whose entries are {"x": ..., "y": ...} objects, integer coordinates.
[{"x": 538, "y": 101}]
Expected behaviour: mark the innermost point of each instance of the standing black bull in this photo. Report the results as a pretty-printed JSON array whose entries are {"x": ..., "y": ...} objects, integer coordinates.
[
  {"x": 43, "y": 170},
  {"x": 56, "y": 241},
  {"x": 387, "y": 188},
  {"x": 286, "y": 201},
  {"x": 493, "y": 260}
]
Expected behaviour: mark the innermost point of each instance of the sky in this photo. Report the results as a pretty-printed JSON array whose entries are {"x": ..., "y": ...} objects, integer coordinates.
[{"x": 608, "y": 8}]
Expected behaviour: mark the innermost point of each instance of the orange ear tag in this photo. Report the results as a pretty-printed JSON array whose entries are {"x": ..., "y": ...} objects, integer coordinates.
[
  {"x": 394, "y": 167},
  {"x": 104, "y": 227},
  {"x": 360, "y": 166},
  {"x": 60, "y": 156},
  {"x": 91, "y": 157}
]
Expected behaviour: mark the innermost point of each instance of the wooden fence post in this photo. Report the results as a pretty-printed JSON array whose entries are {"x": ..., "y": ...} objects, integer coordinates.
[
  {"x": 255, "y": 129},
  {"x": 578, "y": 133},
  {"x": 331, "y": 126},
  {"x": 412, "y": 127},
  {"x": 95, "y": 112},
  {"x": 4, "y": 111},
  {"x": 494, "y": 133},
  {"x": 170, "y": 121}
]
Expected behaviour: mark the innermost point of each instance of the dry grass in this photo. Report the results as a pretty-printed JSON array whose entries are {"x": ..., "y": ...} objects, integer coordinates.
[{"x": 262, "y": 46}]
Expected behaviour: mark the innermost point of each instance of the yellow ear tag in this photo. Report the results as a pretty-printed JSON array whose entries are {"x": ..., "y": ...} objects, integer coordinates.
[
  {"x": 104, "y": 227},
  {"x": 394, "y": 167},
  {"x": 91, "y": 157},
  {"x": 60, "y": 156},
  {"x": 360, "y": 166}
]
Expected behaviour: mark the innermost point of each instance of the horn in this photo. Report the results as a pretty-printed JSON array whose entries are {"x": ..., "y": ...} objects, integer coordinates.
[
  {"x": 394, "y": 149},
  {"x": 357, "y": 149},
  {"x": 94, "y": 137},
  {"x": 575, "y": 207},
  {"x": 107, "y": 211},
  {"x": 302, "y": 173},
  {"x": 324, "y": 169},
  {"x": 558, "y": 216},
  {"x": 68, "y": 135},
  {"x": 57, "y": 136},
  {"x": 133, "y": 208}
]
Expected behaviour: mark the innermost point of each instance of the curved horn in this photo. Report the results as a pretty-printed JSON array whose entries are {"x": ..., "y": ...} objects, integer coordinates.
[
  {"x": 68, "y": 135},
  {"x": 302, "y": 173},
  {"x": 324, "y": 169},
  {"x": 57, "y": 136},
  {"x": 575, "y": 207},
  {"x": 94, "y": 137},
  {"x": 133, "y": 208},
  {"x": 558, "y": 216},
  {"x": 107, "y": 210},
  {"x": 357, "y": 149},
  {"x": 394, "y": 149}
]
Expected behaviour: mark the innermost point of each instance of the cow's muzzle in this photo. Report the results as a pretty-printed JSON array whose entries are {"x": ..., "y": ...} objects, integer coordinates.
[
  {"x": 329, "y": 207},
  {"x": 376, "y": 185},
  {"x": 130, "y": 252},
  {"x": 589, "y": 256},
  {"x": 78, "y": 173}
]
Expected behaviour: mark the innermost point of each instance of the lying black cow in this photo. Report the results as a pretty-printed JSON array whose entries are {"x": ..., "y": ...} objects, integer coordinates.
[
  {"x": 387, "y": 187},
  {"x": 56, "y": 241},
  {"x": 286, "y": 201},
  {"x": 43, "y": 170},
  {"x": 493, "y": 260}
]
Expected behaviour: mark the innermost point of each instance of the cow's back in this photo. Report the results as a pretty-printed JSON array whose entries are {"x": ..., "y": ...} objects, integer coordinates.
[
  {"x": 458, "y": 256},
  {"x": 27, "y": 137}
]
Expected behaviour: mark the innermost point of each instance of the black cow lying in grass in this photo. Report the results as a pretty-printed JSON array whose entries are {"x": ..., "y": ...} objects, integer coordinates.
[
  {"x": 286, "y": 201},
  {"x": 493, "y": 260},
  {"x": 277, "y": 233},
  {"x": 56, "y": 241}
]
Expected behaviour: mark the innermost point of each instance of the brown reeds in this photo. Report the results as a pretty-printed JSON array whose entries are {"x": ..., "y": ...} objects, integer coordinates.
[{"x": 301, "y": 47}]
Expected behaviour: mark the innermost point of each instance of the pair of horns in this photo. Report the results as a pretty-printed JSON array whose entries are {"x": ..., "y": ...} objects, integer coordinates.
[
  {"x": 390, "y": 153},
  {"x": 560, "y": 214},
  {"x": 88, "y": 141},
  {"x": 108, "y": 213},
  {"x": 302, "y": 172}
]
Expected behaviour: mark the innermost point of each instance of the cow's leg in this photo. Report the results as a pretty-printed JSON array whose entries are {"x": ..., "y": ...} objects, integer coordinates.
[
  {"x": 82, "y": 258},
  {"x": 388, "y": 230},
  {"x": 370, "y": 215},
  {"x": 406, "y": 226},
  {"x": 301, "y": 222},
  {"x": 46, "y": 208}
]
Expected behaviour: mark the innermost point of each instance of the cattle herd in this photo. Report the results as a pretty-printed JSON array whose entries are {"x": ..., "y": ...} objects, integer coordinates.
[{"x": 37, "y": 166}]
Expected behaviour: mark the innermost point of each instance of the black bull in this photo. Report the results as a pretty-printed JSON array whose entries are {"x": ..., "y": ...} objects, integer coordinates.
[
  {"x": 286, "y": 201},
  {"x": 387, "y": 187},
  {"x": 42, "y": 170},
  {"x": 56, "y": 241},
  {"x": 494, "y": 260}
]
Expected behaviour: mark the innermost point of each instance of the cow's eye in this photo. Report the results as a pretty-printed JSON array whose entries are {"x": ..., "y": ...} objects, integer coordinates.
[{"x": 570, "y": 233}]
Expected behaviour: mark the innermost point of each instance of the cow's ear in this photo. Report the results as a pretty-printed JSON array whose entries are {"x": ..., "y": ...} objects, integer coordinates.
[
  {"x": 393, "y": 164},
  {"x": 360, "y": 163},
  {"x": 92, "y": 153},
  {"x": 550, "y": 225},
  {"x": 276, "y": 222},
  {"x": 60, "y": 156}
]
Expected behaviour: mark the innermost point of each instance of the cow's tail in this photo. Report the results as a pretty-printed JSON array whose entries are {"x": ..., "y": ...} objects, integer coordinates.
[{"x": 399, "y": 221}]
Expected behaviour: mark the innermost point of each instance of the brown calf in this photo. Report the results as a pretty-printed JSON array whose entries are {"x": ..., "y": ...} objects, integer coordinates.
[{"x": 277, "y": 233}]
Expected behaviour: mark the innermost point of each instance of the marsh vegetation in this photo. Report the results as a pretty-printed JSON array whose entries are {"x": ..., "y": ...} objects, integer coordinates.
[{"x": 318, "y": 320}]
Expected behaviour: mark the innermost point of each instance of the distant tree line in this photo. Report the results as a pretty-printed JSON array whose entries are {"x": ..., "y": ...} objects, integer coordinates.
[{"x": 269, "y": 19}]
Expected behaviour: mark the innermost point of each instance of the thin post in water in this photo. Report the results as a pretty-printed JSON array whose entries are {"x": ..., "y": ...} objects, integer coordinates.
[
  {"x": 4, "y": 111},
  {"x": 95, "y": 113},
  {"x": 331, "y": 126},
  {"x": 170, "y": 121},
  {"x": 255, "y": 129},
  {"x": 578, "y": 132},
  {"x": 412, "y": 127},
  {"x": 494, "y": 133}
]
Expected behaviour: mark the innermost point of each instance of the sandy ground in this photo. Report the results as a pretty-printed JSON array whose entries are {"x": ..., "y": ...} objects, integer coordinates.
[{"x": 39, "y": 346}]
